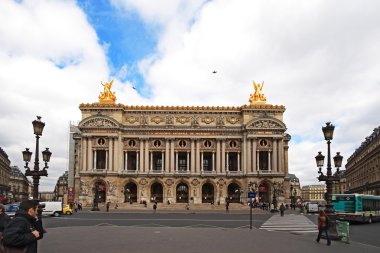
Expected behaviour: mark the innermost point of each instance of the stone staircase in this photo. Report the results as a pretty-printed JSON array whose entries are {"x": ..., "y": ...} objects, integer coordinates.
[{"x": 180, "y": 207}]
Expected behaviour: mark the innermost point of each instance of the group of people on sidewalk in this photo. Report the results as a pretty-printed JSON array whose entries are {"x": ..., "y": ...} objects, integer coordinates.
[{"x": 21, "y": 233}]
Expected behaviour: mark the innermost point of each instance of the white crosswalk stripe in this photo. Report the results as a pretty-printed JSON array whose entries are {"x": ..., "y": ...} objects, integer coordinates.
[{"x": 290, "y": 223}]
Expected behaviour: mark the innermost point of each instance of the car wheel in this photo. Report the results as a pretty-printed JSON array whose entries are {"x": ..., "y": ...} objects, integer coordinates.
[
  {"x": 69, "y": 213},
  {"x": 56, "y": 214}
]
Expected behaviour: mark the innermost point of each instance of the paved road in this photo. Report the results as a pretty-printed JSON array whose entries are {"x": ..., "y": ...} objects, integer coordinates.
[
  {"x": 121, "y": 239},
  {"x": 366, "y": 234}
]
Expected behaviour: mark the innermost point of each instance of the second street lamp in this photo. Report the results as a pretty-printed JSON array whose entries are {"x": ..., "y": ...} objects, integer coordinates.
[
  {"x": 36, "y": 173},
  {"x": 329, "y": 178}
]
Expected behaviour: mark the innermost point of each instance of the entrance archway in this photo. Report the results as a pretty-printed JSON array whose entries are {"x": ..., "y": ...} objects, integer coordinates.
[
  {"x": 233, "y": 193},
  {"x": 264, "y": 192},
  {"x": 130, "y": 192},
  {"x": 102, "y": 190},
  {"x": 207, "y": 193},
  {"x": 156, "y": 193},
  {"x": 182, "y": 193}
]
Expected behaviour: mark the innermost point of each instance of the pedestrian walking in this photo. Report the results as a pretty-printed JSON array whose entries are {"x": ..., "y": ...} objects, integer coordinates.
[
  {"x": 23, "y": 231},
  {"x": 4, "y": 218},
  {"x": 323, "y": 226},
  {"x": 108, "y": 206},
  {"x": 154, "y": 207},
  {"x": 282, "y": 209},
  {"x": 227, "y": 206}
]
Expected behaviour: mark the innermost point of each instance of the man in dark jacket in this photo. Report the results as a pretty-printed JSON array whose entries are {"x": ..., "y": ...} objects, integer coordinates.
[
  {"x": 4, "y": 218},
  {"x": 25, "y": 229}
]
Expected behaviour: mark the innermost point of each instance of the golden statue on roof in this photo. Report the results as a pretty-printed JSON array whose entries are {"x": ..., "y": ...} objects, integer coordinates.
[
  {"x": 258, "y": 96},
  {"x": 107, "y": 96}
]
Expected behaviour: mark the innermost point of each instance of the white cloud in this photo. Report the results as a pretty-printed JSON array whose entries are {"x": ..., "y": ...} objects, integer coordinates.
[
  {"x": 320, "y": 59},
  {"x": 50, "y": 61}
]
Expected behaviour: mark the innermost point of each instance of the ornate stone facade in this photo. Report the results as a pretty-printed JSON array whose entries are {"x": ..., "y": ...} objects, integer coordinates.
[
  {"x": 363, "y": 166},
  {"x": 315, "y": 193},
  {"x": 179, "y": 154},
  {"x": 19, "y": 185},
  {"x": 5, "y": 172}
]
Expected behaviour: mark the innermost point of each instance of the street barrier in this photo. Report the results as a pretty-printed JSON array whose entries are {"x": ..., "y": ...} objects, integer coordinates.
[{"x": 343, "y": 230}]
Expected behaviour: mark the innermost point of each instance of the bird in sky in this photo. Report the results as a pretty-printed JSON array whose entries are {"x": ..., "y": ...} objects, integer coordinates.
[
  {"x": 214, "y": 72},
  {"x": 133, "y": 88}
]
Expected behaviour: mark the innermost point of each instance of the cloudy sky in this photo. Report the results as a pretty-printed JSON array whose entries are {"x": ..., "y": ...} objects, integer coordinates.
[{"x": 320, "y": 59}]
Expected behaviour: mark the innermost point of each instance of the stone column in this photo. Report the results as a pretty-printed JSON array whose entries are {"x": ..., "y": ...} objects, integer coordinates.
[
  {"x": 151, "y": 161},
  {"x": 192, "y": 156},
  {"x": 172, "y": 164},
  {"x": 218, "y": 168},
  {"x": 120, "y": 150},
  {"x": 126, "y": 160},
  {"x": 224, "y": 157},
  {"x": 254, "y": 156},
  {"x": 141, "y": 164},
  {"x": 243, "y": 154},
  {"x": 255, "y": 166},
  {"x": 137, "y": 161},
  {"x": 187, "y": 161},
  {"x": 176, "y": 161},
  {"x": 167, "y": 155},
  {"x": 275, "y": 155},
  {"x": 286, "y": 161},
  {"x": 228, "y": 161},
  {"x": 84, "y": 152},
  {"x": 162, "y": 161},
  {"x": 281, "y": 154},
  {"x": 249, "y": 156},
  {"x": 94, "y": 161},
  {"x": 258, "y": 160},
  {"x": 269, "y": 161},
  {"x": 213, "y": 161},
  {"x": 110, "y": 148},
  {"x": 238, "y": 161},
  {"x": 107, "y": 155},
  {"x": 197, "y": 160},
  {"x": 201, "y": 160},
  {"x": 146, "y": 155},
  {"x": 89, "y": 153}
]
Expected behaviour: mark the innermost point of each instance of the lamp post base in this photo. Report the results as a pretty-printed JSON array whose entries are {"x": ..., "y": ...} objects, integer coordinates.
[{"x": 95, "y": 208}]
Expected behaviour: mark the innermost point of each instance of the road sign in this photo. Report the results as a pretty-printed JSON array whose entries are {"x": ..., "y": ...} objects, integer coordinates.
[{"x": 251, "y": 195}]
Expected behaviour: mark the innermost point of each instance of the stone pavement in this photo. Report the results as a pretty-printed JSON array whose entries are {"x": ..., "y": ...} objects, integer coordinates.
[{"x": 117, "y": 239}]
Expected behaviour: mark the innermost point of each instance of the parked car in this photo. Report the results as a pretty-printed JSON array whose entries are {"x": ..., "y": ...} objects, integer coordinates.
[
  {"x": 53, "y": 208},
  {"x": 11, "y": 209},
  {"x": 67, "y": 209}
]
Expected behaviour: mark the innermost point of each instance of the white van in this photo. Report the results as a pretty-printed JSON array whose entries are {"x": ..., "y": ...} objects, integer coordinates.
[
  {"x": 53, "y": 208},
  {"x": 312, "y": 207}
]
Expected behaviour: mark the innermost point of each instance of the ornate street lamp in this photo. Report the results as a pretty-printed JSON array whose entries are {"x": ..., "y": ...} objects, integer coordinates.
[
  {"x": 36, "y": 173},
  {"x": 329, "y": 178}
]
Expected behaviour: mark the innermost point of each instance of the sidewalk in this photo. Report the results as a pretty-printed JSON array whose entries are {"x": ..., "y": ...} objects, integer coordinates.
[{"x": 117, "y": 239}]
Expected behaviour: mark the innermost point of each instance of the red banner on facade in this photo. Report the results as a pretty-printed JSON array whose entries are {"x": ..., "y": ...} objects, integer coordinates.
[
  {"x": 70, "y": 195},
  {"x": 262, "y": 189}
]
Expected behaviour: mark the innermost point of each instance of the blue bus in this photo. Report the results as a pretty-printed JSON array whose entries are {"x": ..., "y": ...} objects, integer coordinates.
[{"x": 356, "y": 207}]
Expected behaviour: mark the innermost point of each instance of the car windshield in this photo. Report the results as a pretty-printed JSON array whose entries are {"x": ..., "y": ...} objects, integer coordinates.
[{"x": 11, "y": 208}]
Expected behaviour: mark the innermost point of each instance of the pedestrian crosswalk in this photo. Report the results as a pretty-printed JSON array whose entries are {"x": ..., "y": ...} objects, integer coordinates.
[{"x": 290, "y": 223}]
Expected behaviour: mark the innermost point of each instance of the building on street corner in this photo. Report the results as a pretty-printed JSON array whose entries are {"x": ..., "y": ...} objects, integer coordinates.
[
  {"x": 313, "y": 193},
  {"x": 5, "y": 173},
  {"x": 363, "y": 166},
  {"x": 179, "y": 154}
]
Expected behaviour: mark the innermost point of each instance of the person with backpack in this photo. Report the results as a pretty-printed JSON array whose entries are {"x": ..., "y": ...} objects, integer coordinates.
[
  {"x": 23, "y": 231},
  {"x": 323, "y": 226}
]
